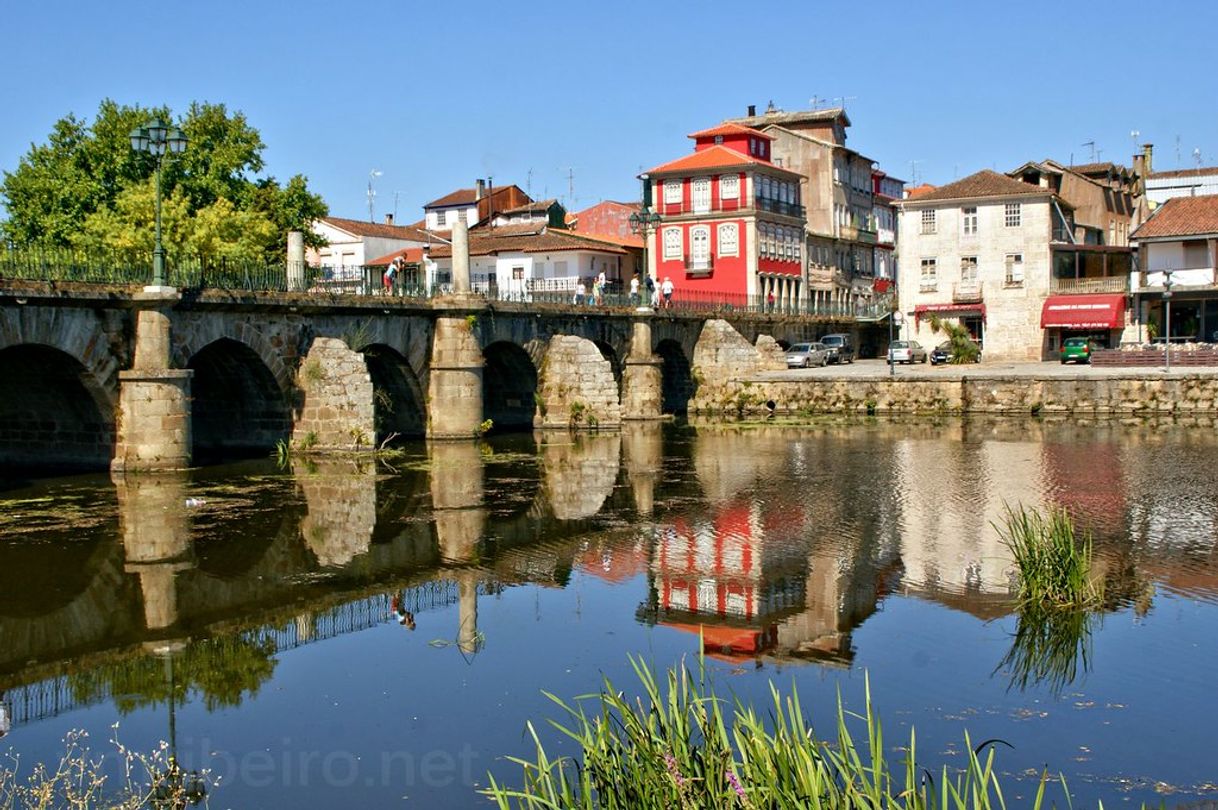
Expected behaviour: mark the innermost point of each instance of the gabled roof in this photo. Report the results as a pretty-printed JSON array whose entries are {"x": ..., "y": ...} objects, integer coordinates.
[
  {"x": 793, "y": 118},
  {"x": 1100, "y": 169},
  {"x": 715, "y": 157},
  {"x": 357, "y": 227},
  {"x": 537, "y": 207},
  {"x": 918, "y": 192},
  {"x": 730, "y": 128},
  {"x": 1201, "y": 172},
  {"x": 1180, "y": 217},
  {"x": 467, "y": 196},
  {"x": 412, "y": 255},
  {"x": 985, "y": 183},
  {"x": 490, "y": 243}
]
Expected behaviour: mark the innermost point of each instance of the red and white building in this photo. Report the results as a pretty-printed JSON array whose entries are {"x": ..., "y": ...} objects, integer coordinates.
[{"x": 732, "y": 221}]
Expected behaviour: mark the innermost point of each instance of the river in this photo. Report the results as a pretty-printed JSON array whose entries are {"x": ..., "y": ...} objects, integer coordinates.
[{"x": 343, "y": 633}]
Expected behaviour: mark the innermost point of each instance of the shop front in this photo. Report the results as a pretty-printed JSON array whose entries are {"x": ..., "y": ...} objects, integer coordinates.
[
  {"x": 1099, "y": 317},
  {"x": 970, "y": 316}
]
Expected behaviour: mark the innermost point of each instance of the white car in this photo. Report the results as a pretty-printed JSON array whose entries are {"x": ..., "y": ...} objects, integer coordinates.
[
  {"x": 806, "y": 355},
  {"x": 907, "y": 351}
]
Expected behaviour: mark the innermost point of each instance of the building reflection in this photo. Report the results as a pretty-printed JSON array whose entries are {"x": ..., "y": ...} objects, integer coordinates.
[{"x": 341, "y": 501}]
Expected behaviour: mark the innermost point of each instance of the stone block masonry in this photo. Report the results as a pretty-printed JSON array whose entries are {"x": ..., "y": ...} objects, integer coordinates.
[
  {"x": 337, "y": 411},
  {"x": 577, "y": 389}
]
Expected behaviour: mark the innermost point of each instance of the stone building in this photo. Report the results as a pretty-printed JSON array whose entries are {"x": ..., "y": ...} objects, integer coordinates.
[
  {"x": 1181, "y": 237},
  {"x": 1000, "y": 256}
]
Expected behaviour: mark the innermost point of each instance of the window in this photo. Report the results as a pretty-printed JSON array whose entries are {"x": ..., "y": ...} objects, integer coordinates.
[
  {"x": 729, "y": 187},
  {"x": 968, "y": 221},
  {"x": 752, "y": 146},
  {"x": 1014, "y": 275},
  {"x": 463, "y": 215},
  {"x": 673, "y": 247},
  {"x": 1013, "y": 215},
  {"x": 928, "y": 220},
  {"x": 729, "y": 240},
  {"x": 701, "y": 195},
  {"x": 930, "y": 275},
  {"x": 672, "y": 192},
  {"x": 699, "y": 247},
  {"x": 718, "y": 139},
  {"x": 441, "y": 219},
  {"x": 517, "y": 273},
  {"x": 968, "y": 271}
]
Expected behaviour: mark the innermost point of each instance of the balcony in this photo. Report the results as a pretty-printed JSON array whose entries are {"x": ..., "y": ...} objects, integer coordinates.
[
  {"x": 1195, "y": 277},
  {"x": 780, "y": 207},
  {"x": 699, "y": 265},
  {"x": 1099, "y": 284},
  {"x": 966, "y": 292}
]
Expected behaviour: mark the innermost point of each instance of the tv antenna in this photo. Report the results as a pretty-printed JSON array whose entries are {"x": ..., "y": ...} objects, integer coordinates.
[
  {"x": 844, "y": 99},
  {"x": 570, "y": 184},
  {"x": 528, "y": 182},
  {"x": 1091, "y": 145},
  {"x": 372, "y": 175},
  {"x": 396, "y": 194},
  {"x": 913, "y": 172},
  {"x": 1177, "y": 151},
  {"x": 1134, "y": 135},
  {"x": 816, "y": 102},
  {"x": 1197, "y": 157}
]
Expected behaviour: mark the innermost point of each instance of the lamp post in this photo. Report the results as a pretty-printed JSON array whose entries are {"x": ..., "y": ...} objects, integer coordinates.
[
  {"x": 894, "y": 318},
  {"x": 157, "y": 139},
  {"x": 641, "y": 222},
  {"x": 1167, "y": 319}
]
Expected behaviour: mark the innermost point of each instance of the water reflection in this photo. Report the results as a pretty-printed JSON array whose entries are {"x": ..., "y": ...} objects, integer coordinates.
[{"x": 774, "y": 543}]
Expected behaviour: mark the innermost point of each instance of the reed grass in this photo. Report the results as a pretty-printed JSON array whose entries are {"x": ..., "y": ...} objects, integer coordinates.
[
  {"x": 1052, "y": 563},
  {"x": 679, "y": 745}
]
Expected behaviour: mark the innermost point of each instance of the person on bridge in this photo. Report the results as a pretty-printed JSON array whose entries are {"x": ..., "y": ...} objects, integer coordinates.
[
  {"x": 653, "y": 294},
  {"x": 581, "y": 292},
  {"x": 634, "y": 290},
  {"x": 666, "y": 288},
  {"x": 391, "y": 273},
  {"x": 6, "y": 722}
]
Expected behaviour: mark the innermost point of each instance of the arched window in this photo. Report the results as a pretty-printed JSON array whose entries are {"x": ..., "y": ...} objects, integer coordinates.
[
  {"x": 673, "y": 249},
  {"x": 729, "y": 240}
]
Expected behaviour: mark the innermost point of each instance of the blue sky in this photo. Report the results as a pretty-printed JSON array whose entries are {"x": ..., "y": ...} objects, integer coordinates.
[{"x": 436, "y": 94}]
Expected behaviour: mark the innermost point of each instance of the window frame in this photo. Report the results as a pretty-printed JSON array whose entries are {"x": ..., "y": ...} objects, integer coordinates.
[
  {"x": 729, "y": 187},
  {"x": 968, "y": 217},
  {"x": 674, "y": 192},
  {"x": 673, "y": 249},
  {"x": 1012, "y": 215},
  {"x": 930, "y": 221},
  {"x": 929, "y": 281},
  {"x": 694, "y": 233},
  {"x": 724, "y": 229},
  {"x": 1010, "y": 262}
]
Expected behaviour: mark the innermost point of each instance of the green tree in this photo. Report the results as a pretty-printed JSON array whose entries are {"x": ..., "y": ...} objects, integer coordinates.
[
  {"x": 86, "y": 188},
  {"x": 963, "y": 349}
]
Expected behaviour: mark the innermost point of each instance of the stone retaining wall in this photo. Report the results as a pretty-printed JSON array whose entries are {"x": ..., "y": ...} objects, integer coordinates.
[{"x": 1130, "y": 395}]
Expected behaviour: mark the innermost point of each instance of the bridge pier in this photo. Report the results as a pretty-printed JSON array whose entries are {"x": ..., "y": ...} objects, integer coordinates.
[
  {"x": 154, "y": 399},
  {"x": 454, "y": 384},
  {"x": 642, "y": 375},
  {"x": 155, "y": 528},
  {"x": 643, "y": 454},
  {"x": 457, "y": 490}
]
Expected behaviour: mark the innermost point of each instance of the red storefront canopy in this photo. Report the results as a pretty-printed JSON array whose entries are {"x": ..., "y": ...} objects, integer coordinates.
[
  {"x": 1083, "y": 312},
  {"x": 952, "y": 310}
]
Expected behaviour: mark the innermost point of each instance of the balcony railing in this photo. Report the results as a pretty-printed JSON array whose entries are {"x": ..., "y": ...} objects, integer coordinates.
[
  {"x": 1105, "y": 284},
  {"x": 699, "y": 264},
  {"x": 966, "y": 292},
  {"x": 780, "y": 207}
]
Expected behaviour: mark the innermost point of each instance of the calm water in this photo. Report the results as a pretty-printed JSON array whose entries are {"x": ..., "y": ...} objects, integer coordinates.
[{"x": 271, "y": 603}]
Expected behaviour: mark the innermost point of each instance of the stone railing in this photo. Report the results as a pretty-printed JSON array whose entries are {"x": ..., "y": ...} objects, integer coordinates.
[
  {"x": 1107, "y": 284},
  {"x": 1191, "y": 355}
]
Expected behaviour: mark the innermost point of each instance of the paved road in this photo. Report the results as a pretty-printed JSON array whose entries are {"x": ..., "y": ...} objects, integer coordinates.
[{"x": 864, "y": 369}]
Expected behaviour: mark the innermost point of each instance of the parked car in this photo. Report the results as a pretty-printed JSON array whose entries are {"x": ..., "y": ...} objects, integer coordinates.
[
  {"x": 840, "y": 346},
  {"x": 806, "y": 355},
  {"x": 1077, "y": 349},
  {"x": 906, "y": 351},
  {"x": 943, "y": 353}
]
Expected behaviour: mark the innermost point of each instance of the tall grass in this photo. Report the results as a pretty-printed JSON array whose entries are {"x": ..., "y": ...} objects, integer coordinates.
[
  {"x": 677, "y": 746},
  {"x": 1052, "y": 564}
]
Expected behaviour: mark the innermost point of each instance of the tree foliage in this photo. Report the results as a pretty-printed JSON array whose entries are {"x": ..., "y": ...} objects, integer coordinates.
[
  {"x": 86, "y": 188},
  {"x": 963, "y": 349}
]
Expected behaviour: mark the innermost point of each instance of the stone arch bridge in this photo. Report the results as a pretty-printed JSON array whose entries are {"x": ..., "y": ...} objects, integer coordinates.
[{"x": 160, "y": 379}]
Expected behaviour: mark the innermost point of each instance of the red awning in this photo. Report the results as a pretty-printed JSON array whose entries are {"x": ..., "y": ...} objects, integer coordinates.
[{"x": 1083, "y": 312}]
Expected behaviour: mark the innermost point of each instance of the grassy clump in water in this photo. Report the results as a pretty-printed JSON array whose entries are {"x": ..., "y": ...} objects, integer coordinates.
[
  {"x": 1052, "y": 564},
  {"x": 677, "y": 747}
]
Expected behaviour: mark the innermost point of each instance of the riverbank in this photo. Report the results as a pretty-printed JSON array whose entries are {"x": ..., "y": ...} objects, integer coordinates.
[{"x": 1011, "y": 388}]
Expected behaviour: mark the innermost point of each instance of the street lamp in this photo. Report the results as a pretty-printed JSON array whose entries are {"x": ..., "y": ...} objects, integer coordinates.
[
  {"x": 895, "y": 318},
  {"x": 1167, "y": 319},
  {"x": 157, "y": 139},
  {"x": 641, "y": 222}
]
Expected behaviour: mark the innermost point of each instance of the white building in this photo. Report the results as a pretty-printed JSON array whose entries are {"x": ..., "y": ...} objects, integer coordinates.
[
  {"x": 998, "y": 255},
  {"x": 1163, "y": 186},
  {"x": 352, "y": 243},
  {"x": 1182, "y": 237}
]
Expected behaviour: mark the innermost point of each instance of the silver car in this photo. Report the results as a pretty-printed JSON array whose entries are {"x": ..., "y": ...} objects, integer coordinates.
[
  {"x": 906, "y": 351},
  {"x": 806, "y": 355}
]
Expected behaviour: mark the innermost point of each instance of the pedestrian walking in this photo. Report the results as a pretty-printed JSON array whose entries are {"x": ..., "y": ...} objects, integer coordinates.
[
  {"x": 634, "y": 290},
  {"x": 667, "y": 289},
  {"x": 653, "y": 294},
  {"x": 581, "y": 293}
]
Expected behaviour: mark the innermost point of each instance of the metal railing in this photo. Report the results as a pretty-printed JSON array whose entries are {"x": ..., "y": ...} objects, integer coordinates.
[{"x": 780, "y": 207}]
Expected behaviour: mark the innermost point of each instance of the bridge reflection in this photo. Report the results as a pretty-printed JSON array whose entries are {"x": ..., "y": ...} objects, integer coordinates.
[{"x": 768, "y": 543}]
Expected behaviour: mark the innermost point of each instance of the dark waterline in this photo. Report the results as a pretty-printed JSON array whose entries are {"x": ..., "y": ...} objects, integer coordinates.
[{"x": 271, "y": 603}]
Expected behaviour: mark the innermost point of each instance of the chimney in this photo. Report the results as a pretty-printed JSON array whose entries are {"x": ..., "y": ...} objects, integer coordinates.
[
  {"x": 1148, "y": 150},
  {"x": 388, "y": 219},
  {"x": 479, "y": 189},
  {"x": 752, "y": 110}
]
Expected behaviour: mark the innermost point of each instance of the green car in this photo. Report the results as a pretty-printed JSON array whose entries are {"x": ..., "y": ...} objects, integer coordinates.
[{"x": 1076, "y": 349}]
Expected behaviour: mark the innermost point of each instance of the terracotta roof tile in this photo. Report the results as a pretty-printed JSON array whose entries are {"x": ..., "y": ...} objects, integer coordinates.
[
  {"x": 985, "y": 183},
  {"x": 537, "y": 206},
  {"x": 1181, "y": 216},
  {"x": 486, "y": 244},
  {"x": 730, "y": 128},
  {"x": 713, "y": 158},
  {"x": 1202, "y": 172},
  {"x": 361, "y": 228},
  {"x": 919, "y": 191},
  {"x": 412, "y": 255},
  {"x": 466, "y": 196}
]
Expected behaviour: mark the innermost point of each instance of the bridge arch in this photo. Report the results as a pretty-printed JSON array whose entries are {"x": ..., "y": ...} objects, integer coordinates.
[
  {"x": 610, "y": 353},
  {"x": 509, "y": 386},
  {"x": 240, "y": 408},
  {"x": 677, "y": 377},
  {"x": 399, "y": 405},
  {"x": 53, "y": 413}
]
